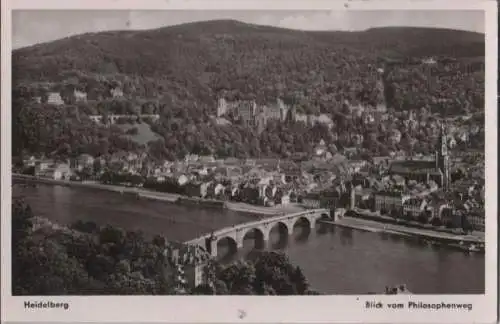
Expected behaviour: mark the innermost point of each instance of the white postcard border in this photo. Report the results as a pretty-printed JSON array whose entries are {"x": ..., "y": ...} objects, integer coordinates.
[{"x": 257, "y": 309}]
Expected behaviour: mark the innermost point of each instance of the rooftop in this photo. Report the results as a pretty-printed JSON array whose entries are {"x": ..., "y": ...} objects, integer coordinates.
[{"x": 413, "y": 166}]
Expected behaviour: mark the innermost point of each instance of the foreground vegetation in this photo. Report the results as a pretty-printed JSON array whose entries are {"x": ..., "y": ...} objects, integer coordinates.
[{"x": 84, "y": 259}]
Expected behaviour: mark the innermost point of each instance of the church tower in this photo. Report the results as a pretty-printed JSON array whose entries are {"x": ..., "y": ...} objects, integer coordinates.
[{"x": 442, "y": 158}]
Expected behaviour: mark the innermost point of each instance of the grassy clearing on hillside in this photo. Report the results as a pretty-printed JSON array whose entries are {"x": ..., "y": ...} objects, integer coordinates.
[{"x": 144, "y": 133}]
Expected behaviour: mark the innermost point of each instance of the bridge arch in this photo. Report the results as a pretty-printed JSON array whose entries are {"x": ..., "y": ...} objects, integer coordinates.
[
  {"x": 304, "y": 224},
  {"x": 279, "y": 233},
  {"x": 256, "y": 234},
  {"x": 325, "y": 216},
  {"x": 302, "y": 221},
  {"x": 230, "y": 239},
  {"x": 227, "y": 246}
]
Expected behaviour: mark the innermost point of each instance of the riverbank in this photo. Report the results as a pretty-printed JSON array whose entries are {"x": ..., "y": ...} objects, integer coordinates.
[
  {"x": 336, "y": 261},
  {"x": 141, "y": 193},
  {"x": 401, "y": 230}
]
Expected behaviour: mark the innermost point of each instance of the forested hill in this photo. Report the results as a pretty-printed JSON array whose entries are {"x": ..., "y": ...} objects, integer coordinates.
[
  {"x": 199, "y": 51},
  {"x": 180, "y": 71}
]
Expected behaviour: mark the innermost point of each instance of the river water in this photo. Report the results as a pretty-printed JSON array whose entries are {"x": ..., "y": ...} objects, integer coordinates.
[{"x": 335, "y": 260}]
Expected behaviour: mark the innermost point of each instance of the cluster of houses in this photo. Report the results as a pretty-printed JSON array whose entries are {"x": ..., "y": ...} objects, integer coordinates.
[
  {"x": 324, "y": 182},
  {"x": 449, "y": 211},
  {"x": 114, "y": 118},
  {"x": 48, "y": 168},
  {"x": 57, "y": 98}
]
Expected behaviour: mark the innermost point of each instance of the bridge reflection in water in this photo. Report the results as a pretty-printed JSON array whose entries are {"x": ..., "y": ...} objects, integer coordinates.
[{"x": 273, "y": 232}]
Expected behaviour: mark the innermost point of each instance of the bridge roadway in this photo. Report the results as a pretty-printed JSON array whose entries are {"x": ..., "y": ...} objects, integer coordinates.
[{"x": 261, "y": 228}]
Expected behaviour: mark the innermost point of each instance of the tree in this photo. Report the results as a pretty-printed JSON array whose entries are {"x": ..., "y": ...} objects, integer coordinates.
[
  {"x": 466, "y": 225},
  {"x": 221, "y": 287},
  {"x": 85, "y": 226},
  {"x": 22, "y": 220},
  {"x": 110, "y": 234},
  {"x": 136, "y": 180},
  {"x": 395, "y": 213},
  {"x": 436, "y": 221},
  {"x": 86, "y": 173},
  {"x": 239, "y": 278},
  {"x": 44, "y": 268},
  {"x": 204, "y": 289},
  {"x": 300, "y": 281},
  {"x": 132, "y": 131},
  {"x": 423, "y": 217},
  {"x": 97, "y": 166},
  {"x": 408, "y": 216}
]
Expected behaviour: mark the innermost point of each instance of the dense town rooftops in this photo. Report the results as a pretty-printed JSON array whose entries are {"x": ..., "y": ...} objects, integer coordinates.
[
  {"x": 413, "y": 166},
  {"x": 395, "y": 193},
  {"x": 415, "y": 202}
]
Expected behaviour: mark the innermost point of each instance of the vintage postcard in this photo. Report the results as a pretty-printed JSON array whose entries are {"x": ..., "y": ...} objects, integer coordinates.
[{"x": 249, "y": 161}]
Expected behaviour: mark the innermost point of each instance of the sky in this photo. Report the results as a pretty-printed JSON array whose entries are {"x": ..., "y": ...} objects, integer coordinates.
[{"x": 30, "y": 27}]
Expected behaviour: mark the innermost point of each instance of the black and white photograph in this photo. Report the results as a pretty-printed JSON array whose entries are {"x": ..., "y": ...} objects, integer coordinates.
[{"x": 249, "y": 152}]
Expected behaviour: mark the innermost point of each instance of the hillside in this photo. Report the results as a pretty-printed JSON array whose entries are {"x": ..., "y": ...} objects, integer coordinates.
[
  {"x": 180, "y": 71},
  {"x": 203, "y": 58},
  {"x": 194, "y": 44}
]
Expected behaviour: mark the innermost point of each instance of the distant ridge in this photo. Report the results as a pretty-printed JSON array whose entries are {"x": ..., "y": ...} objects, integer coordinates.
[{"x": 207, "y": 42}]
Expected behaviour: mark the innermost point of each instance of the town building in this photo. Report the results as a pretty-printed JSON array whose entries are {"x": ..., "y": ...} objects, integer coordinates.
[
  {"x": 355, "y": 166},
  {"x": 222, "y": 107},
  {"x": 251, "y": 194},
  {"x": 297, "y": 117},
  {"x": 330, "y": 199},
  {"x": 113, "y": 118},
  {"x": 197, "y": 189},
  {"x": 362, "y": 198},
  {"x": 320, "y": 119},
  {"x": 30, "y": 162},
  {"x": 245, "y": 112},
  {"x": 180, "y": 179},
  {"x": 312, "y": 200},
  {"x": 437, "y": 170},
  {"x": 54, "y": 98},
  {"x": 186, "y": 264},
  {"x": 42, "y": 165},
  {"x": 282, "y": 197},
  {"x": 206, "y": 159},
  {"x": 80, "y": 96},
  {"x": 413, "y": 207},
  {"x": 82, "y": 161},
  {"x": 477, "y": 220},
  {"x": 215, "y": 190},
  {"x": 451, "y": 217},
  {"x": 116, "y": 92},
  {"x": 390, "y": 200},
  {"x": 56, "y": 171}
]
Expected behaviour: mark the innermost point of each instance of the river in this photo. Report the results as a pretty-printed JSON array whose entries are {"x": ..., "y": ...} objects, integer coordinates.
[{"x": 336, "y": 261}]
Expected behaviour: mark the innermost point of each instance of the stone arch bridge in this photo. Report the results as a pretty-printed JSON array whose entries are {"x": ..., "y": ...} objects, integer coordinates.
[{"x": 261, "y": 228}]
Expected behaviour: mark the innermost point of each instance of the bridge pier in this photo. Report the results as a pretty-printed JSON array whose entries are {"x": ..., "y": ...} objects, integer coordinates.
[
  {"x": 266, "y": 233},
  {"x": 213, "y": 248},
  {"x": 312, "y": 224}
]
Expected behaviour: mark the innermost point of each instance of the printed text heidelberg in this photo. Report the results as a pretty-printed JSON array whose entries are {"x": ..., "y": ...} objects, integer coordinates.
[{"x": 45, "y": 305}]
